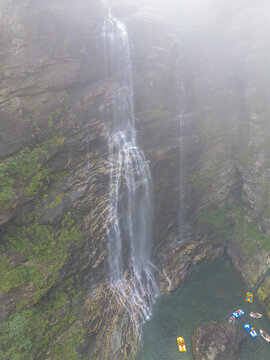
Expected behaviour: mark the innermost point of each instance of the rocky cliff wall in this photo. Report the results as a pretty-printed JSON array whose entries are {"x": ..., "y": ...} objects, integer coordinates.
[
  {"x": 54, "y": 179},
  {"x": 54, "y": 175},
  {"x": 231, "y": 83}
]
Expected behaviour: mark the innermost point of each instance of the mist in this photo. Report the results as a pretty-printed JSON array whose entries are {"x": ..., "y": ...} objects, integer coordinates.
[{"x": 134, "y": 146}]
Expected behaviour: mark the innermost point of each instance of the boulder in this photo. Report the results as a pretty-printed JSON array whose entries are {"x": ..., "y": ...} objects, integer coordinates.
[{"x": 217, "y": 341}]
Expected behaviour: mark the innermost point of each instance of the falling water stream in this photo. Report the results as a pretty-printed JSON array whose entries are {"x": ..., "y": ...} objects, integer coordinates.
[
  {"x": 132, "y": 274},
  {"x": 181, "y": 106},
  {"x": 130, "y": 191}
]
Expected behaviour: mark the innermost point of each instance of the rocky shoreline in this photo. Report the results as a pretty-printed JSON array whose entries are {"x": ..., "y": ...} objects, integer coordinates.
[{"x": 217, "y": 341}]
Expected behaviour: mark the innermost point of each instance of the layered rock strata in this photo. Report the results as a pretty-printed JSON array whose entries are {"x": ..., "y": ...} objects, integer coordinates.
[
  {"x": 222, "y": 341},
  {"x": 54, "y": 172}
]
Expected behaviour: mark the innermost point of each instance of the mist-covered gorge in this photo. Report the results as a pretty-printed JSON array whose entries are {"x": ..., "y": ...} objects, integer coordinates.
[{"x": 57, "y": 98}]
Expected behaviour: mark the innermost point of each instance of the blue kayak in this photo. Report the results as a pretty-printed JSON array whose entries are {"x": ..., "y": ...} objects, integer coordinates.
[
  {"x": 250, "y": 330},
  {"x": 238, "y": 313}
]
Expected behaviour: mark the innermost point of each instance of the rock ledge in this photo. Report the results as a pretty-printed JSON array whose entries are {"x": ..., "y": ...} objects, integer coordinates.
[{"x": 217, "y": 341}]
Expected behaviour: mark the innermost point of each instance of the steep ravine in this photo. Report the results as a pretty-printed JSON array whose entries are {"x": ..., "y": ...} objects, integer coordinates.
[{"x": 55, "y": 101}]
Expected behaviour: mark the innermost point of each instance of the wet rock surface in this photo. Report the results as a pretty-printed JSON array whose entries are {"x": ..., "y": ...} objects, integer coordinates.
[
  {"x": 217, "y": 341},
  {"x": 54, "y": 104}
]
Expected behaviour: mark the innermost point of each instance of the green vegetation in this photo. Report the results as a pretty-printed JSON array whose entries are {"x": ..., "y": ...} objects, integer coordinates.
[
  {"x": 42, "y": 130},
  {"x": 32, "y": 256},
  {"x": 33, "y": 333},
  {"x": 37, "y": 182},
  {"x": 6, "y": 193},
  {"x": 217, "y": 221},
  {"x": 12, "y": 277},
  {"x": 56, "y": 117},
  {"x": 201, "y": 180},
  {"x": 58, "y": 199},
  {"x": 260, "y": 238},
  {"x": 45, "y": 249},
  {"x": 14, "y": 338},
  {"x": 67, "y": 349},
  {"x": 56, "y": 120},
  {"x": 249, "y": 235},
  {"x": 26, "y": 170}
]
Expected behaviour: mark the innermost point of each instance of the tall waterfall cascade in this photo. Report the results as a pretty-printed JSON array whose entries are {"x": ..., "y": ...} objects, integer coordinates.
[
  {"x": 181, "y": 106},
  {"x": 130, "y": 191}
]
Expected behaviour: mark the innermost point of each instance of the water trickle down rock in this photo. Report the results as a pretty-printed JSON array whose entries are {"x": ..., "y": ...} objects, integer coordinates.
[{"x": 130, "y": 190}]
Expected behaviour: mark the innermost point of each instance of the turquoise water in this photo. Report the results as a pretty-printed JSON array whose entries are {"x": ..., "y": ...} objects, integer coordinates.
[{"x": 211, "y": 293}]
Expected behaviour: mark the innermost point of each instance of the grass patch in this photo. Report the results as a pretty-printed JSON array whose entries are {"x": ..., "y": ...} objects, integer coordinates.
[
  {"x": 67, "y": 349},
  {"x": 15, "y": 339},
  {"x": 33, "y": 333},
  {"x": 216, "y": 222},
  {"x": 13, "y": 276},
  {"x": 57, "y": 201},
  {"x": 253, "y": 232},
  {"x": 249, "y": 234},
  {"x": 202, "y": 180},
  {"x": 46, "y": 250},
  {"x": 26, "y": 170}
]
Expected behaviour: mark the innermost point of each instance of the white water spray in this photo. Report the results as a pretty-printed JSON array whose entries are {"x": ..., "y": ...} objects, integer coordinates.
[{"x": 130, "y": 193}]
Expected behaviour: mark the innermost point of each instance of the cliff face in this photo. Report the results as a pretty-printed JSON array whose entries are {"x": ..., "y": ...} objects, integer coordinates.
[
  {"x": 231, "y": 180},
  {"x": 54, "y": 178},
  {"x": 54, "y": 173}
]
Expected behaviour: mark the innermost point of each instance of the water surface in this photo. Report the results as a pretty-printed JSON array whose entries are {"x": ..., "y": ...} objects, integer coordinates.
[{"x": 211, "y": 293}]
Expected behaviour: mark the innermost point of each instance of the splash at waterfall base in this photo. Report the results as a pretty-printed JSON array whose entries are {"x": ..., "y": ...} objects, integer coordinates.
[
  {"x": 115, "y": 330},
  {"x": 136, "y": 276}
]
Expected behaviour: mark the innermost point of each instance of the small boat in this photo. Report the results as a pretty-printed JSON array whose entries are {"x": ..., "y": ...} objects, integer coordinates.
[
  {"x": 238, "y": 313},
  {"x": 256, "y": 315},
  {"x": 265, "y": 335},
  {"x": 250, "y": 330},
  {"x": 181, "y": 344},
  {"x": 249, "y": 297},
  {"x": 232, "y": 319}
]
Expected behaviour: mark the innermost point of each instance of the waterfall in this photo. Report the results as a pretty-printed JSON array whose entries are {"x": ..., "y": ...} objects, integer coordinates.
[
  {"x": 130, "y": 191},
  {"x": 181, "y": 105},
  {"x": 88, "y": 152}
]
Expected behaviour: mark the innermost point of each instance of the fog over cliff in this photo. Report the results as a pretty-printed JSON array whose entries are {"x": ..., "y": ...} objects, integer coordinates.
[{"x": 134, "y": 145}]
